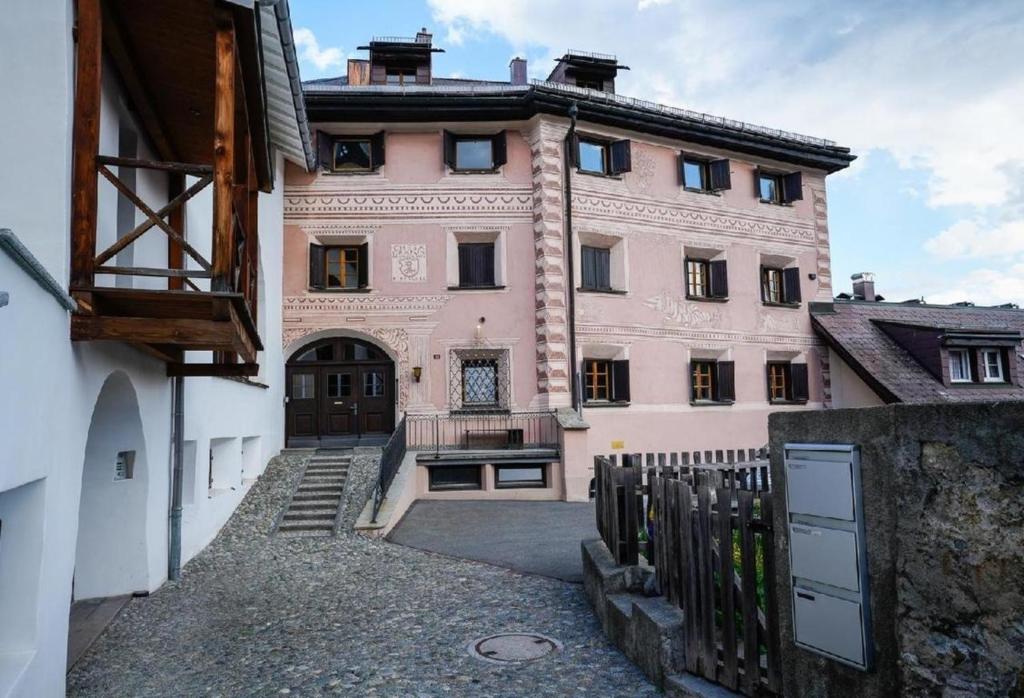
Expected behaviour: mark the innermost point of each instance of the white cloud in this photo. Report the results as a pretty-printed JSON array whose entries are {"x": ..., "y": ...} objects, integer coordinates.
[
  {"x": 984, "y": 287},
  {"x": 975, "y": 238},
  {"x": 644, "y": 4},
  {"x": 310, "y": 51}
]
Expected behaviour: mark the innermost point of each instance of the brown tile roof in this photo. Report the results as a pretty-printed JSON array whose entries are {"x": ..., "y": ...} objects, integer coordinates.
[{"x": 850, "y": 328}]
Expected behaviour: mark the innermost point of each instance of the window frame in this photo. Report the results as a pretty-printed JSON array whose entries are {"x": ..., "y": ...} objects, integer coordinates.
[
  {"x": 985, "y": 377},
  {"x": 705, "y": 170},
  {"x": 777, "y": 179},
  {"x": 344, "y": 250},
  {"x": 402, "y": 74},
  {"x": 352, "y": 139},
  {"x": 780, "y": 285},
  {"x": 528, "y": 484},
  {"x": 463, "y": 283},
  {"x": 605, "y": 148},
  {"x": 474, "y": 139},
  {"x": 784, "y": 370},
  {"x": 588, "y": 373},
  {"x": 477, "y": 484},
  {"x": 966, "y": 364},
  {"x": 712, "y": 379},
  {"x": 605, "y": 251},
  {"x": 705, "y": 266}
]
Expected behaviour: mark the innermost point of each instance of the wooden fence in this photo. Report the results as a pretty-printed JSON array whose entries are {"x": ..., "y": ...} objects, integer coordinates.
[{"x": 711, "y": 544}]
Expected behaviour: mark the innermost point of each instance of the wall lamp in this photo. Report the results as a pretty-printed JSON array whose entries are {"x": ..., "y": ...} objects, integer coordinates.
[{"x": 417, "y": 371}]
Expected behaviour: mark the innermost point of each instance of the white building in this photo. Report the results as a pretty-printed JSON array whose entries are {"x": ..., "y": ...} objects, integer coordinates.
[{"x": 86, "y": 426}]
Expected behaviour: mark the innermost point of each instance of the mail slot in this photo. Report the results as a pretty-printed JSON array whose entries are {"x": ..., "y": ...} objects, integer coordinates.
[
  {"x": 825, "y": 555},
  {"x": 829, "y": 624}
]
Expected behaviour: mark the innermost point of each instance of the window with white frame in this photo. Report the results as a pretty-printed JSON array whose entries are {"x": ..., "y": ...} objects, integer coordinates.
[
  {"x": 959, "y": 366},
  {"x": 992, "y": 365}
]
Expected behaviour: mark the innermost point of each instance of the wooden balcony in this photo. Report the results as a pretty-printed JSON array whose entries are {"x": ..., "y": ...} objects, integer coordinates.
[{"x": 190, "y": 73}]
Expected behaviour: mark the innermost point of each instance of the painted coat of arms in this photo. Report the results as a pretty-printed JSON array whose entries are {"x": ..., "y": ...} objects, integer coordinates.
[{"x": 408, "y": 263}]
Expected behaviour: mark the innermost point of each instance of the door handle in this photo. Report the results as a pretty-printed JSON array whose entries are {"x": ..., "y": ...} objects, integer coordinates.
[{"x": 339, "y": 403}]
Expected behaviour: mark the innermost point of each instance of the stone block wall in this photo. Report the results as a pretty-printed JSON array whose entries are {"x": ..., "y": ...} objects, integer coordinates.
[{"x": 943, "y": 489}]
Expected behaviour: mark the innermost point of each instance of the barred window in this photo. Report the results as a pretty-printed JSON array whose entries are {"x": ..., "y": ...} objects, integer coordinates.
[{"x": 479, "y": 379}]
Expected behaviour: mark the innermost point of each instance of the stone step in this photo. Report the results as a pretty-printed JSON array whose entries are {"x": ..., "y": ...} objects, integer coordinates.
[
  {"x": 322, "y": 517},
  {"x": 305, "y": 526},
  {"x": 316, "y": 497},
  {"x": 330, "y": 459},
  {"x": 337, "y": 472},
  {"x": 318, "y": 487},
  {"x": 314, "y": 505}
]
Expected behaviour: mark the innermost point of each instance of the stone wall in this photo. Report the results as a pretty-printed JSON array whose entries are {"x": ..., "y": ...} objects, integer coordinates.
[
  {"x": 359, "y": 486},
  {"x": 943, "y": 490}
]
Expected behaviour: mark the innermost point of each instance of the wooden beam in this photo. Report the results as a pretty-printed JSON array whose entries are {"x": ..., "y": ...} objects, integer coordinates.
[
  {"x": 222, "y": 370},
  {"x": 86, "y": 141},
  {"x": 171, "y": 209},
  {"x": 135, "y": 86},
  {"x": 151, "y": 214},
  {"x": 151, "y": 271},
  {"x": 223, "y": 151},
  {"x": 159, "y": 165},
  {"x": 176, "y": 219},
  {"x": 201, "y": 335}
]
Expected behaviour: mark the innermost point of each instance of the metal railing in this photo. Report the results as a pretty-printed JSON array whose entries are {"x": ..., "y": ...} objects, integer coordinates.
[
  {"x": 390, "y": 461},
  {"x": 481, "y": 431},
  {"x": 24, "y": 258}
]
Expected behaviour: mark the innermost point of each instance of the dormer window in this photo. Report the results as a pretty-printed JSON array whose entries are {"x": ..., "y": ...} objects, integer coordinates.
[
  {"x": 959, "y": 366},
  {"x": 400, "y": 76},
  {"x": 590, "y": 83},
  {"x": 992, "y": 366}
]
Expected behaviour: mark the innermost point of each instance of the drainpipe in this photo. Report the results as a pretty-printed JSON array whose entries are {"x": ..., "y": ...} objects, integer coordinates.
[
  {"x": 177, "y": 447},
  {"x": 569, "y": 264}
]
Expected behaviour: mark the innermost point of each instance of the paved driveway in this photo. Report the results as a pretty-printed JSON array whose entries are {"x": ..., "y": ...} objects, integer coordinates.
[
  {"x": 264, "y": 615},
  {"x": 533, "y": 537}
]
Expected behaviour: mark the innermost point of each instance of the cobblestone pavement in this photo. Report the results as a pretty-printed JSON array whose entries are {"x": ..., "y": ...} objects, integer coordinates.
[{"x": 257, "y": 614}]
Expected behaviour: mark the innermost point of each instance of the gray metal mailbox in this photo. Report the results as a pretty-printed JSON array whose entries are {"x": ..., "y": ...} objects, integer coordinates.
[{"x": 827, "y": 556}]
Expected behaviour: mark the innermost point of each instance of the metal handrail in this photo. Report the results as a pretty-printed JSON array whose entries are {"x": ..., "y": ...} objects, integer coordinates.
[
  {"x": 24, "y": 258},
  {"x": 468, "y": 430},
  {"x": 390, "y": 461}
]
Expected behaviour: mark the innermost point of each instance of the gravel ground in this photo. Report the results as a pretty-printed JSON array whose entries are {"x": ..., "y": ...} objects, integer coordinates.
[{"x": 258, "y": 614}]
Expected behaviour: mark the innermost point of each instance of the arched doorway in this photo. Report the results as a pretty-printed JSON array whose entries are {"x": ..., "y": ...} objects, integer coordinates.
[
  {"x": 341, "y": 391},
  {"x": 112, "y": 557}
]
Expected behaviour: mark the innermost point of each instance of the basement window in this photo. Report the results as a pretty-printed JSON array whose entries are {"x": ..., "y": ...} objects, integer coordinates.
[
  {"x": 455, "y": 477},
  {"x": 515, "y": 476}
]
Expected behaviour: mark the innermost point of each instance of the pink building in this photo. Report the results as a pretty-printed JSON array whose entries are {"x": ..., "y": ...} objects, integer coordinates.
[{"x": 478, "y": 255}]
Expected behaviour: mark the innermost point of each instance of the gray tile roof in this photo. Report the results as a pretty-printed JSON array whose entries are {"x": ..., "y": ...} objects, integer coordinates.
[{"x": 851, "y": 329}]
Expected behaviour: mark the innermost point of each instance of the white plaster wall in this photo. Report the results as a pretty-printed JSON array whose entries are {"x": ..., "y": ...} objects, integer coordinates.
[{"x": 848, "y": 389}]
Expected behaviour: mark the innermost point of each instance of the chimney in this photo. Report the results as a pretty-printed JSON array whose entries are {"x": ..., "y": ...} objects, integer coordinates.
[
  {"x": 517, "y": 71},
  {"x": 864, "y": 286},
  {"x": 358, "y": 71},
  {"x": 424, "y": 37}
]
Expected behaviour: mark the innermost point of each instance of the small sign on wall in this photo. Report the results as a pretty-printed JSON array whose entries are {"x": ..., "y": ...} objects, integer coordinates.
[
  {"x": 124, "y": 469},
  {"x": 618, "y": 445}
]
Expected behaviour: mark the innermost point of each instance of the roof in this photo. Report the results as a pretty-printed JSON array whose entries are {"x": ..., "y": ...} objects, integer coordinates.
[
  {"x": 854, "y": 330},
  {"x": 446, "y": 99},
  {"x": 286, "y": 105}
]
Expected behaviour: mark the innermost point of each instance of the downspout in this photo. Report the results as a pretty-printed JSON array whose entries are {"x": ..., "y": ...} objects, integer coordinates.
[
  {"x": 569, "y": 264},
  {"x": 177, "y": 470}
]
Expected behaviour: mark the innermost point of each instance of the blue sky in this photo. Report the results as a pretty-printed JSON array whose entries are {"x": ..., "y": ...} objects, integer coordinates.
[{"x": 929, "y": 94}]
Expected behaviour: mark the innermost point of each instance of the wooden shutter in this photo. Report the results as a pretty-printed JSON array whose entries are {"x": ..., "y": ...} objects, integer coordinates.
[
  {"x": 325, "y": 150},
  {"x": 363, "y": 260},
  {"x": 449, "y": 149},
  {"x": 499, "y": 149},
  {"x": 604, "y": 271},
  {"x": 465, "y": 263},
  {"x": 791, "y": 285},
  {"x": 719, "y": 279},
  {"x": 588, "y": 259},
  {"x": 720, "y": 176},
  {"x": 693, "y": 384},
  {"x": 377, "y": 149},
  {"x": 485, "y": 262},
  {"x": 620, "y": 381},
  {"x": 792, "y": 187},
  {"x": 798, "y": 376},
  {"x": 574, "y": 150},
  {"x": 757, "y": 182},
  {"x": 682, "y": 169},
  {"x": 620, "y": 157},
  {"x": 726, "y": 384},
  {"x": 317, "y": 264}
]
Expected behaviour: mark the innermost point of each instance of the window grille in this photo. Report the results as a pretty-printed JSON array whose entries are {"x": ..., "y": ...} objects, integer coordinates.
[{"x": 478, "y": 379}]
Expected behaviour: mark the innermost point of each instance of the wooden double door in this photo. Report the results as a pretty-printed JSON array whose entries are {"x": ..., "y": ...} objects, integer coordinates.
[{"x": 339, "y": 400}]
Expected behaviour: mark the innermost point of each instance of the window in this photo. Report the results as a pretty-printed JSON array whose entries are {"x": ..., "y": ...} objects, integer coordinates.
[
  {"x": 303, "y": 386},
  {"x": 590, "y": 83},
  {"x": 787, "y": 382},
  {"x": 780, "y": 286},
  {"x": 475, "y": 153},
  {"x": 339, "y": 385},
  {"x": 595, "y": 156},
  {"x": 350, "y": 154},
  {"x": 606, "y": 380},
  {"x": 508, "y": 476},
  {"x": 401, "y": 76},
  {"x": 712, "y": 381},
  {"x": 992, "y": 365},
  {"x": 343, "y": 268},
  {"x": 700, "y": 174},
  {"x": 373, "y": 384},
  {"x": 775, "y": 188},
  {"x": 959, "y": 366},
  {"x": 458, "y": 477},
  {"x": 706, "y": 279},
  {"x": 480, "y": 383},
  {"x": 476, "y": 265},
  {"x": 596, "y": 270}
]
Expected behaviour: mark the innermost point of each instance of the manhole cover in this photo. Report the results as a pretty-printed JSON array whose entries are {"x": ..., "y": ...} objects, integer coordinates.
[{"x": 513, "y": 648}]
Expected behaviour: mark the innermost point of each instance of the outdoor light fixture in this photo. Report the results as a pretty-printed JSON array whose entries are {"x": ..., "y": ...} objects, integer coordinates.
[
  {"x": 417, "y": 371},
  {"x": 480, "y": 329}
]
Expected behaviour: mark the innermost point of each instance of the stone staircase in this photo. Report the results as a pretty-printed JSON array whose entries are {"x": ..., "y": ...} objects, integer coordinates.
[{"x": 313, "y": 509}]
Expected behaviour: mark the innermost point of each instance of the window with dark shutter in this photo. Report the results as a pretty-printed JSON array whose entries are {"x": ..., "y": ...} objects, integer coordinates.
[
  {"x": 621, "y": 161},
  {"x": 698, "y": 282},
  {"x": 597, "y": 380},
  {"x": 693, "y": 173},
  {"x": 363, "y": 258},
  {"x": 448, "y": 140},
  {"x": 719, "y": 175},
  {"x": 798, "y": 375},
  {"x": 377, "y": 149},
  {"x": 792, "y": 188},
  {"x": 702, "y": 381},
  {"x": 596, "y": 268},
  {"x": 317, "y": 266},
  {"x": 476, "y": 265},
  {"x": 726, "y": 385},
  {"x": 592, "y": 156},
  {"x": 780, "y": 382},
  {"x": 499, "y": 148},
  {"x": 719, "y": 279},
  {"x": 620, "y": 381},
  {"x": 791, "y": 285},
  {"x": 325, "y": 150}
]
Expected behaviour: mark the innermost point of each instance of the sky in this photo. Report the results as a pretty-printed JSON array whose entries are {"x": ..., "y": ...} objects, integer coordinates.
[{"x": 929, "y": 94}]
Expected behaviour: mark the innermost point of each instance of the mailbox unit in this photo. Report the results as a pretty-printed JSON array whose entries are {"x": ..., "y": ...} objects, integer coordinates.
[{"x": 827, "y": 555}]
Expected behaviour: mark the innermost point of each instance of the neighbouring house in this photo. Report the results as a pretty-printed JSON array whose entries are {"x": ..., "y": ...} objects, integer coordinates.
[
  {"x": 880, "y": 352},
  {"x": 115, "y": 113},
  {"x": 476, "y": 255}
]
